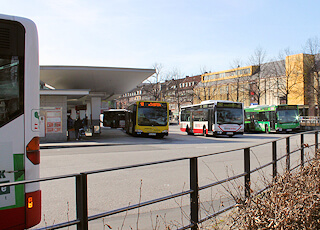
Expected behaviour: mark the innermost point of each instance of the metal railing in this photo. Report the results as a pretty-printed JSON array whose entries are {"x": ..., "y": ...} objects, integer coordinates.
[
  {"x": 309, "y": 121},
  {"x": 81, "y": 181}
]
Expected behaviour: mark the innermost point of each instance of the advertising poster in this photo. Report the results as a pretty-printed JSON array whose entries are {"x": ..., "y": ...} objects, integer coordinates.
[{"x": 54, "y": 120}]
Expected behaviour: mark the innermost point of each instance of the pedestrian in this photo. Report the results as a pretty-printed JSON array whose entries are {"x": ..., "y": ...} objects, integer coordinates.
[
  {"x": 85, "y": 123},
  {"x": 77, "y": 127},
  {"x": 70, "y": 125}
]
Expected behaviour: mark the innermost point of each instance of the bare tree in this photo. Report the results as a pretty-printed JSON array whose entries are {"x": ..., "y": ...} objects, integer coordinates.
[
  {"x": 311, "y": 73},
  {"x": 256, "y": 87},
  {"x": 204, "y": 70},
  {"x": 174, "y": 93},
  {"x": 155, "y": 82},
  {"x": 238, "y": 81},
  {"x": 285, "y": 75}
]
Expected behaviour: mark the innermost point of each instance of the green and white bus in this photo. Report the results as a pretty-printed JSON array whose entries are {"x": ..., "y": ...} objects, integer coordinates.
[{"x": 272, "y": 118}]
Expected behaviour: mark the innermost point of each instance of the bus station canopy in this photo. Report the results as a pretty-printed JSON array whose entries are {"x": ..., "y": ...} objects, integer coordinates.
[{"x": 108, "y": 82}]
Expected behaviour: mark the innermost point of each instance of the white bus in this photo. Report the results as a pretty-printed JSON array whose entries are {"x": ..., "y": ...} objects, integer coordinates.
[
  {"x": 213, "y": 117},
  {"x": 114, "y": 118},
  {"x": 20, "y": 205}
]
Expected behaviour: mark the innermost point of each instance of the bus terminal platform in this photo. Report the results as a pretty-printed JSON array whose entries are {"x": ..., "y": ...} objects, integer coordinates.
[{"x": 107, "y": 137}]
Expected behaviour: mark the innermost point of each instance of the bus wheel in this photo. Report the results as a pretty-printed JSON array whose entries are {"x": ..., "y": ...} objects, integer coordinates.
[{"x": 267, "y": 129}]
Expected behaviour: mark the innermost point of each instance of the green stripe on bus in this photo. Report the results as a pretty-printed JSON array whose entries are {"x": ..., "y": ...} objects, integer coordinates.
[{"x": 18, "y": 161}]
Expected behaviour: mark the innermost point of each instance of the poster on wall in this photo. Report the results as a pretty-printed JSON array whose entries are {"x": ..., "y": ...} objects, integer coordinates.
[{"x": 54, "y": 120}]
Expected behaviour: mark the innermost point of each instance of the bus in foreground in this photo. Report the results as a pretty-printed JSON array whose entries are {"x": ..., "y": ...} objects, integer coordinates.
[
  {"x": 114, "y": 118},
  {"x": 148, "y": 118},
  {"x": 272, "y": 118},
  {"x": 213, "y": 117},
  {"x": 20, "y": 205}
]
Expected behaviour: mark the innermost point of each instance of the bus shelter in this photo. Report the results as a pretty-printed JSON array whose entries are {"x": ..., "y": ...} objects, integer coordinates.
[{"x": 78, "y": 91}]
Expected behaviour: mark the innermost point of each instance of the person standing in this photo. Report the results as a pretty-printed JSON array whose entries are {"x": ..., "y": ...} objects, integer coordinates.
[
  {"x": 69, "y": 126},
  {"x": 85, "y": 123},
  {"x": 77, "y": 126}
]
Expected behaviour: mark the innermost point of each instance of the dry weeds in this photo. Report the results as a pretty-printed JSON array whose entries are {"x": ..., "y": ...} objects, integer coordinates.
[{"x": 292, "y": 202}]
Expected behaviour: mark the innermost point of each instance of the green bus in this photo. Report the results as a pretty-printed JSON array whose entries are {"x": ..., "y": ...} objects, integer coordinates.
[{"x": 272, "y": 118}]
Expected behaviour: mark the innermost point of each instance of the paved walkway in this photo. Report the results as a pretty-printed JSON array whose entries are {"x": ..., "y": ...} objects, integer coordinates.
[{"x": 107, "y": 137}]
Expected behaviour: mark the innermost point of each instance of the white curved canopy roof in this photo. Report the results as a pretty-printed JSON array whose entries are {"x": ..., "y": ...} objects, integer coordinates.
[{"x": 108, "y": 81}]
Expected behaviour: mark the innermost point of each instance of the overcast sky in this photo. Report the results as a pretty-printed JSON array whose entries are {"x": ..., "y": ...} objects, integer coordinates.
[{"x": 188, "y": 36}]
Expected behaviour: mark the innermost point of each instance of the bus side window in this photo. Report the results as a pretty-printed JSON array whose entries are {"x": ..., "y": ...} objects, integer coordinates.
[
  {"x": 267, "y": 114},
  {"x": 205, "y": 115},
  {"x": 261, "y": 116}
]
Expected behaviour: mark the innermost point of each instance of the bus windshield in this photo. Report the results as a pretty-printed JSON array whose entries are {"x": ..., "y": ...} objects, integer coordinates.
[
  {"x": 10, "y": 90},
  {"x": 152, "y": 116},
  {"x": 288, "y": 116},
  {"x": 229, "y": 116}
]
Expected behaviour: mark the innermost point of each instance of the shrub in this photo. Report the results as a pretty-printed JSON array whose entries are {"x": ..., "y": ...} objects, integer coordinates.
[{"x": 292, "y": 202}]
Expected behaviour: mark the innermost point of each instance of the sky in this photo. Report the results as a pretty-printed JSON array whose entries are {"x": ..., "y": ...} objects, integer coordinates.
[{"x": 185, "y": 36}]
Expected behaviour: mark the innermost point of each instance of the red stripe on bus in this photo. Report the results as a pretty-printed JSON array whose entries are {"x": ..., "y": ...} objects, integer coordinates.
[
  {"x": 197, "y": 130},
  {"x": 13, "y": 218}
]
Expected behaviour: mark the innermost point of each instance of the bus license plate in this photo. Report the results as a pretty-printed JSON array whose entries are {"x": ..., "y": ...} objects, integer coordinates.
[
  {"x": 152, "y": 134},
  {"x": 289, "y": 130},
  {"x": 229, "y": 133}
]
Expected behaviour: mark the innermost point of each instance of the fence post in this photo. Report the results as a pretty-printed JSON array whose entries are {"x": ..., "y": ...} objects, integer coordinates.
[
  {"x": 274, "y": 159},
  {"x": 247, "y": 170},
  {"x": 82, "y": 201},
  {"x": 316, "y": 143},
  {"x": 194, "y": 196},
  {"x": 288, "y": 153},
  {"x": 302, "y": 149}
]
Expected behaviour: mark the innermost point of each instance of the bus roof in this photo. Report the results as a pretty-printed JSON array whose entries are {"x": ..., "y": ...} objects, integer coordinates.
[
  {"x": 256, "y": 108},
  {"x": 209, "y": 102},
  {"x": 215, "y": 101},
  {"x": 115, "y": 110}
]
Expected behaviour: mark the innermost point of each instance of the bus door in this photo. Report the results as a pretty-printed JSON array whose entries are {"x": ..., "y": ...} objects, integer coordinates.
[
  {"x": 210, "y": 119},
  {"x": 272, "y": 118},
  {"x": 134, "y": 118},
  {"x": 191, "y": 121}
]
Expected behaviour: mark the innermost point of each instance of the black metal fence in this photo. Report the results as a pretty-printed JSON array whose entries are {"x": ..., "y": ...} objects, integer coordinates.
[{"x": 81, "y": 182}]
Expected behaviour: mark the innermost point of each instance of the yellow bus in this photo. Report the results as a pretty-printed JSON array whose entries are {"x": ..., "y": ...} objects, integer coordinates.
[{"x": 148, "y": 118}]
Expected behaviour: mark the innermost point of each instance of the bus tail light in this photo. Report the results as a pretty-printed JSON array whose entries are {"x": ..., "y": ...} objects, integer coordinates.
[
  {"x": 33, "y": 208},
  {"x": 33, "y": 151}
]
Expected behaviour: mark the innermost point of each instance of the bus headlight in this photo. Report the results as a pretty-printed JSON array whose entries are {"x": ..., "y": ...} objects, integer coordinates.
[{"x": 138, "y": 131}]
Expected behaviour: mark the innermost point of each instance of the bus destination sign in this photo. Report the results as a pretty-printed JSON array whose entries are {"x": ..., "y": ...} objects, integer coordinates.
[{"x": 152, "y": 104}]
